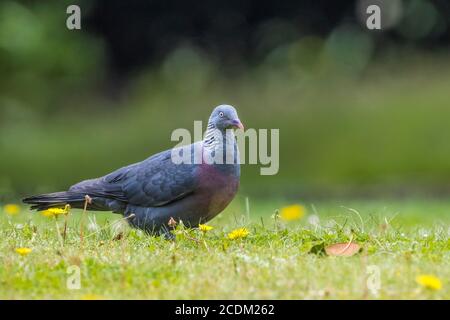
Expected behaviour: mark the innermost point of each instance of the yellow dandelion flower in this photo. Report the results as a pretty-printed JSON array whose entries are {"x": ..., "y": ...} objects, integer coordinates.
[
  {"x": 204, "y": 227},
  {"x": 291, "y": 213},
  {"x": 54, "y": 212},
  {"x": 238, "y": 233},
  {"x": 47, "y": 213},
  {"x": 12, "y": 209},
  {"x": 91, "y": 296},
  {"x": 429, "y": 281},
  {"x": 23, "y": 251}
]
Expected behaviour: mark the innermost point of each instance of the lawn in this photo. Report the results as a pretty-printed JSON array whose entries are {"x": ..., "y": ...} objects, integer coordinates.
[{"x": 400, "y": 240}]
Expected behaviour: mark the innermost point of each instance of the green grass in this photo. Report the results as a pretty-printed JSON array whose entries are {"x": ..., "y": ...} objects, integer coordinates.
[{"x": 402, "y": 238}]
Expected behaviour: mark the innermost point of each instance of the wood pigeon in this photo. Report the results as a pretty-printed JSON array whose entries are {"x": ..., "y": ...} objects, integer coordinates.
[{"x": 161, "y": 188}]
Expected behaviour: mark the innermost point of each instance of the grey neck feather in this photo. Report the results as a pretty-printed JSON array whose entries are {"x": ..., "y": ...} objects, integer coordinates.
[
  {"x": 212, "y": 143},
  {"x": 209, "y": 141}
]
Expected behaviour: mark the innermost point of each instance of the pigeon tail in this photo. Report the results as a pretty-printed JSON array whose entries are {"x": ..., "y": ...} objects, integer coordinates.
[{"x": 56, "y": 199}]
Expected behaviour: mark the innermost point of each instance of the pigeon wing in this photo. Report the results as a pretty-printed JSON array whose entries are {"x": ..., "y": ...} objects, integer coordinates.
[{"x": 154, "y": 182}]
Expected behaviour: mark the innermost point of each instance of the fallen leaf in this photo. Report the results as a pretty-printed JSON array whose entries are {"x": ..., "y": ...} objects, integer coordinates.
[
  {"x": 345, "y": 249},
  {"x": 172, "y": 223}
]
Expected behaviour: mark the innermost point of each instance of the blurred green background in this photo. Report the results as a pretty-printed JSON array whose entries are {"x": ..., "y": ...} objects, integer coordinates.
[{"x": 360, "y": 113}]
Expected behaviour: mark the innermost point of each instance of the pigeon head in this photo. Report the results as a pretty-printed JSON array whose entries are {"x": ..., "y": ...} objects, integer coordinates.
[{"x": 225, "y": 117}]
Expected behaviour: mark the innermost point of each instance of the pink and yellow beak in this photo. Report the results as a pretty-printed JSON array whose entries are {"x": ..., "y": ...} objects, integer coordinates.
[{"x": 238, "y": 124}]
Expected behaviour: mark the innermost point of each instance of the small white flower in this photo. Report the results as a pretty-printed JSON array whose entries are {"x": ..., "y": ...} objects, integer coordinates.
[
  {"x": 252, "y": 260},
  {"x": 423, "y": 233},
  {"x": 118, "y": 227},
  {"x": 93, "y": 226},
  {"x": 330, "y": 224},
  {"x": 314, "y": 220}
]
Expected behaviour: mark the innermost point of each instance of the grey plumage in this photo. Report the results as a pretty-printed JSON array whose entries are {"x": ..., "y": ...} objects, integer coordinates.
[{"x": 151, "y": 192}]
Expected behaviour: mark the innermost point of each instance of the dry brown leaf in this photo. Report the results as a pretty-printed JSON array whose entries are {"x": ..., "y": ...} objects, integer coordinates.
[
  {"x": 345, "y": 249},
  {"x": 172, "y": 223}
]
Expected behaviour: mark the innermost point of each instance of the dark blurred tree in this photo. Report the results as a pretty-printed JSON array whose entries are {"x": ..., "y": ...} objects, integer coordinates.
[{"x": 237, "y": 32}]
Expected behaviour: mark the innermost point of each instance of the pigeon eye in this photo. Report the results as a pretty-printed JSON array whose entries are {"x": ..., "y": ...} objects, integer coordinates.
[{"x": 221, "y": 114}]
